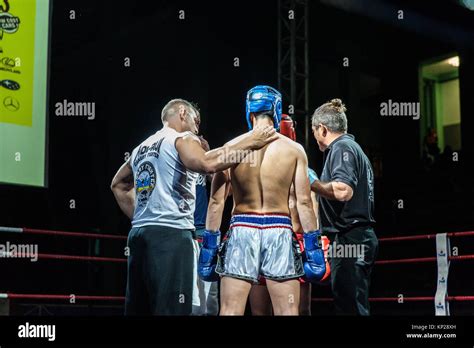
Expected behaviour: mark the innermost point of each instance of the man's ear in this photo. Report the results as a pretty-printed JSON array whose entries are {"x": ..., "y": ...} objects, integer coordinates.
[
  {"x": 252, "y": 119},
  {"x": 182, "y": 112},
  {"x": 325, "y": 130}
]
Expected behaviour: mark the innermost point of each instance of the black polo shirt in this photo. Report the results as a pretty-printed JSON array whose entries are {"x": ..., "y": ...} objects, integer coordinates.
[{"x": 344, "y": 161}]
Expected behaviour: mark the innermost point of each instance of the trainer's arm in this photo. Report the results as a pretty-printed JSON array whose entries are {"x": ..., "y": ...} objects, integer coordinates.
[
  {"x": 123, "y": 188},
  {"x": 196, "y": 159},
  {"x": 220, "y": 188},
  {"x": 334, "y": 190},
  {"x": 303, "y": 194},
  {"x": 343, "y": 174}
]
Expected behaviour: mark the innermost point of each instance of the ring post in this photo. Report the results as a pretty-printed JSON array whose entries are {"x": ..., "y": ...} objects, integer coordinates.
[{"x": 443, "y": 251}]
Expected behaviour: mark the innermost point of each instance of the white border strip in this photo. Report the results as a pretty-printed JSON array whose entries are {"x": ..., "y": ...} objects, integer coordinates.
[{"x": 11, "y": 229}]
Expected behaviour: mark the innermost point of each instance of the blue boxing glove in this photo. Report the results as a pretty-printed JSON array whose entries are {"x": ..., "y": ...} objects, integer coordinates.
[
  {"x": 208, "y": 256},
  {"x": 312, "y": 176},
  {"x": 314, "y": 263}
]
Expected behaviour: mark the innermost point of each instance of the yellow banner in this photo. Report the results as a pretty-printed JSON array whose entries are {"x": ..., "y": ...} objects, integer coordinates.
[{"x": 17, "y": 58}]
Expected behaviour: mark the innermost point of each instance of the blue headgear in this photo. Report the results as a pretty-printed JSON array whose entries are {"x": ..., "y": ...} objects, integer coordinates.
[{"x": 264, "y": 98}]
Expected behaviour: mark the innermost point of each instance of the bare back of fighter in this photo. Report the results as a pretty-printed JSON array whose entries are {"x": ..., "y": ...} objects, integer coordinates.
[{"x": 261, "y": 184}]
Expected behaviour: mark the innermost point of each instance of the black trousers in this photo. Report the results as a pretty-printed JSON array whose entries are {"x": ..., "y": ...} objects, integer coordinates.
[
  {"x": 160, "y": 271},
  {"x": 350, "y": 274}
]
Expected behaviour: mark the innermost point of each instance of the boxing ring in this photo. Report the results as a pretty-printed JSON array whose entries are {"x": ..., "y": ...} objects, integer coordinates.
[
  {"x": 6, "y": 298},
  {"x": 443, "y": 258},
  {"x": 440, "y": 299}
]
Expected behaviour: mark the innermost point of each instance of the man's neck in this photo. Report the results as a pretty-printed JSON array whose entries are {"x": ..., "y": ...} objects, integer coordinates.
[
  {"x": 173, "y": 125},
  {"x": 264, "y": 122},
  {"x": 332, "y": 137}
]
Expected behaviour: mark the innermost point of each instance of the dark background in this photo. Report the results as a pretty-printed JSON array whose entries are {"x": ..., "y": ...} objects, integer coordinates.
[{"x": 193, "y": 59}]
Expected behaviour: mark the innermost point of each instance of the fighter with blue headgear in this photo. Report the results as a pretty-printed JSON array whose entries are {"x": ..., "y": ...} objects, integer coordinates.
[
  {"x": 264, "y": 100},
  {"x": 260, "y": 242}
]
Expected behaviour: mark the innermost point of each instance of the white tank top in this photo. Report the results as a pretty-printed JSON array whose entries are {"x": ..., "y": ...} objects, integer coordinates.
[{"x": 165, "y": 190}]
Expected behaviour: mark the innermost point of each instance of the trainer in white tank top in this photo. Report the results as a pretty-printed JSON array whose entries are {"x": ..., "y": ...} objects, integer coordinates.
[{"x": 165, "y": 189}]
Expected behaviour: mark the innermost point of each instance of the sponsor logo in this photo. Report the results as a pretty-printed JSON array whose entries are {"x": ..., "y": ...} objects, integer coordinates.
[
  {"x": 11, "y": 103},
  {"x": 145, "y": 182},
  {"x": 8, "y": 22}
]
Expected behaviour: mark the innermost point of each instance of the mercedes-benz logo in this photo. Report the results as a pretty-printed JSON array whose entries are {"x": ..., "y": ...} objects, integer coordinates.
[{"x": 11, "y": 103}]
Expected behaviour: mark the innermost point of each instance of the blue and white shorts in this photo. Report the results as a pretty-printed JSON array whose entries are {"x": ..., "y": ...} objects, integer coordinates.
[{"x": 260, "y": 245}]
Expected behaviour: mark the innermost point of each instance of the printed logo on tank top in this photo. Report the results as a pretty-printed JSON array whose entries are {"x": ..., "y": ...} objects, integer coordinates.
[
  {"x": 145, "y": 182},
  {"x": 148, "y": 151}
]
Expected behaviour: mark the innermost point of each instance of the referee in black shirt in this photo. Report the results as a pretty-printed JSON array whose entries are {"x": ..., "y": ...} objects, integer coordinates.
[{"x": 346, "y": 209}]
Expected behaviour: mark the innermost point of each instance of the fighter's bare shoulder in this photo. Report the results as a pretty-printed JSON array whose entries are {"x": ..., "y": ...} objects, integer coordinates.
[
  {"x": 236, "y": 139},
  {"x": 290, "y": 144},
  {"x": 281, "y": 141},
  {"x": 299, "y": 148}
]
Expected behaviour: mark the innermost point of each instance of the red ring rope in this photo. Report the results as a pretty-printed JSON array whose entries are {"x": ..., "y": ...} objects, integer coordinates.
[
  {"x": 111, "y": 259},
  {"x": 73, "y": 234},
  {"x": 425, "y": 236},
  {"x": 80, "y": 258},
  {"x": 423, "y": 259},
  {"x": 111, "y": 236},
  {"x": 121, "y": 298}
]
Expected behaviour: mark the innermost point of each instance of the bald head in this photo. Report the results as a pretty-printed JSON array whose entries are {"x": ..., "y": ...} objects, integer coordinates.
[
  {"x": 173, "y": 107},
  {"x": 180, "y": 115}
]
